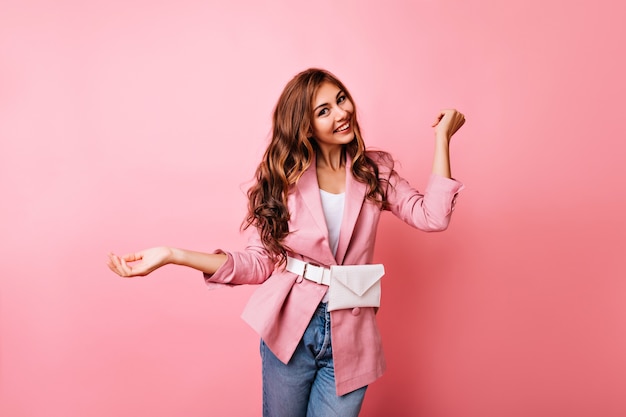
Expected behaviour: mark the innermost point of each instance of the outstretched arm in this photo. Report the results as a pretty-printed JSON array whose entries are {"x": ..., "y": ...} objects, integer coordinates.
[
  {"x": 446, "y": 125},
  {"x": 144, "y": 262}
]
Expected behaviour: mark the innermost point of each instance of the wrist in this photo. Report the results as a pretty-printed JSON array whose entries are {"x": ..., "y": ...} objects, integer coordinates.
[
  {"x": 175, "y": 256},
  {"x": 442, "y": 137}
]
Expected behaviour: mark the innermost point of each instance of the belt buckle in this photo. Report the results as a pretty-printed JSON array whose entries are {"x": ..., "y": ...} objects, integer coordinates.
[{"x": 317, "y": 273}]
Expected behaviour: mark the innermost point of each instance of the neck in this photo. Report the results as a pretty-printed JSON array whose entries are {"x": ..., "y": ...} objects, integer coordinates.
[{"x": 331, "y": 158}]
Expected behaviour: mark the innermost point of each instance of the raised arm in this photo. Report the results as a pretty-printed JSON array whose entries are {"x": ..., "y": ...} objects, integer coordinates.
[
  {"x": 431, "y": 210},
  {"x": 446, "y": 125},
  {"x": 144, "y": 262}
]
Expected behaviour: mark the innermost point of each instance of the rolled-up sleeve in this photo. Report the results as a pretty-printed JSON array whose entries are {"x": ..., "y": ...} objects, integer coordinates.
[
  {"x": 429, "y": 211},
  {"x": 250, "y": 266}
]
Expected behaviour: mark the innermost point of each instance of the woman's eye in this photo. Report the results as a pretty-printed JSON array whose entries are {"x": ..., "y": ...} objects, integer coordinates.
[
  {"x": 341, "y": 99},
  {"x": 322, "y": 112}
]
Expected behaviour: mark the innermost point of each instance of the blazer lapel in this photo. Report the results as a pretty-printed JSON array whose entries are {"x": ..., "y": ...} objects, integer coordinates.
[
  {"x": 355, "y": 196},
  {"x": 309, "y": 191}
]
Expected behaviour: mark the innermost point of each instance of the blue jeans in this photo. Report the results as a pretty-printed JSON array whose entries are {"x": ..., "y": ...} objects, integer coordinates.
[{"x": 305, "y": 387}]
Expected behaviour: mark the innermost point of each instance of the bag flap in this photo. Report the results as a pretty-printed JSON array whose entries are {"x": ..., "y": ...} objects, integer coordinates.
[{"x": 358, "y": 278}]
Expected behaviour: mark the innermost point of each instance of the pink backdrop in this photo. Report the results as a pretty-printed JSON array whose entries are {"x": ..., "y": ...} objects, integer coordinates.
[{"x": 132, "y": 124}]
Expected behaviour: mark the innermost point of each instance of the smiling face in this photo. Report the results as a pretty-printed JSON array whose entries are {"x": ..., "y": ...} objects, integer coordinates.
[{"x": 332, "y": 117}]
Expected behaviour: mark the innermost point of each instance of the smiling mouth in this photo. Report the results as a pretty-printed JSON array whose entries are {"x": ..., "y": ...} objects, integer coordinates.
[{"x": 343, "y": 127}]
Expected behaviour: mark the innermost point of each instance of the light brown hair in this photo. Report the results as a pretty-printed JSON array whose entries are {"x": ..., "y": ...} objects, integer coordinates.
[{"x": 290, "y": 153}]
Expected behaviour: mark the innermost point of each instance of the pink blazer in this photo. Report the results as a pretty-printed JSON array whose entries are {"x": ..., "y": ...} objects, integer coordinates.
[{"x": 280, "y": 309}]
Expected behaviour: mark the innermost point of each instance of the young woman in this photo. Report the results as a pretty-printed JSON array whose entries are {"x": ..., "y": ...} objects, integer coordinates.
[{"x": 314, "y": 210}]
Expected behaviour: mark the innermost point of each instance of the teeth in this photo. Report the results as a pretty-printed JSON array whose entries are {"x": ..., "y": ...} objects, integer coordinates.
[{"x": 344, "y": 127}]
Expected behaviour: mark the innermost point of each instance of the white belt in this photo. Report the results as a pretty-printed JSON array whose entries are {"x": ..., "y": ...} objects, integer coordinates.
[{"x": 314, "y": 273}]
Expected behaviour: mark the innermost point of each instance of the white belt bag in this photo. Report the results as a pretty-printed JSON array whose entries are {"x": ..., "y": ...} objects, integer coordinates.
[{"x": 349, "y": 286}]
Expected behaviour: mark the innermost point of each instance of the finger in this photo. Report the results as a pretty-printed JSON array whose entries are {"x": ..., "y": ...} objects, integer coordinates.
[
  {"x": 132, "y": 257},
  {"x": 125, "y": 267},
  {"x": 128, "y": 270},
  {"x": 438, "y": 119},
  {"x": 115, "y": 260},
  {"x": 135, "y": 270},
  {"x": 121, "y": 266},
  {"x": 113, "y": 266},
  {"x": 460, "y": 121}
]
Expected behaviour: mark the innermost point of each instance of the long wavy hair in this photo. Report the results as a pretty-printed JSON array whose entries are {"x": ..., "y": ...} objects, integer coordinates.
[{"x": 291, "y": 152}]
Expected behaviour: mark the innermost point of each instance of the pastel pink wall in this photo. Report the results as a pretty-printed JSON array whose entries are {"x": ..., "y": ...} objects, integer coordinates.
[{"x": 131, "y": 124}]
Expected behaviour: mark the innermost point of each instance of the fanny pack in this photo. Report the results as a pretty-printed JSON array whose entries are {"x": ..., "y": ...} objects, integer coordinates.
[{"x": 349, "y": 286}]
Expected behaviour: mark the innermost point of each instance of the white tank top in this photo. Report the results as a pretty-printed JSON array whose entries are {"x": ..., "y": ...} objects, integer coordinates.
[{"x": 332, "y": 204}]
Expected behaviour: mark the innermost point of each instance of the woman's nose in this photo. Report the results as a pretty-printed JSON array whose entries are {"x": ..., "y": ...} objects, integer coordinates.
[{"x": 340, "y": 113}]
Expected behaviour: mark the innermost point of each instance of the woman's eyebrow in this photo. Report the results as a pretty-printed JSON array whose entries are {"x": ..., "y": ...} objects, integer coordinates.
[{"x": 340, "y": 92}]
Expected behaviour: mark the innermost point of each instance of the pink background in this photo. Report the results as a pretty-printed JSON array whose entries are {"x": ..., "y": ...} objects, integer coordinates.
[{"x": 131, "y": 124}]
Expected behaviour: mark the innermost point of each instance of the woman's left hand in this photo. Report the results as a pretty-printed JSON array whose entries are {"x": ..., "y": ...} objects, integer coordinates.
[{"x": 448, "y": 122}]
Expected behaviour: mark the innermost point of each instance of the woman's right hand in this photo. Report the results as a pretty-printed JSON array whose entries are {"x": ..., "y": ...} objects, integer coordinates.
[
  {"x": 448, "y": 122},
  {"x": 139, "y": 263}
]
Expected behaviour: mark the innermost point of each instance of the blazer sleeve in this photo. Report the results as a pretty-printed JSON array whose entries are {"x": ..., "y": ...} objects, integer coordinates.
[
  {"x": 429, "y": 211},
  {"x": 250, "y": 266}
]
